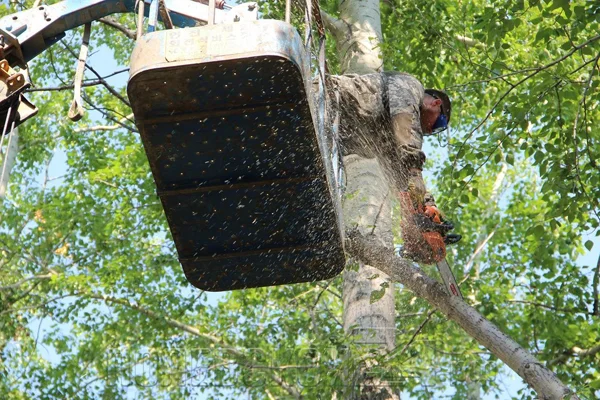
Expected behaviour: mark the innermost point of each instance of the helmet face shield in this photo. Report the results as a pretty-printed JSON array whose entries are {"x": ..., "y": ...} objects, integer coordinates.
[{"x": 441, "y": 124}]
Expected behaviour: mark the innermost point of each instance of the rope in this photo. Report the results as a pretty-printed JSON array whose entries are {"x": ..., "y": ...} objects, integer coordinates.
[
  {"x": 9, "y": 116},
  {"x": 76, "y": 111},
  {"x": 5, "y": 126}
]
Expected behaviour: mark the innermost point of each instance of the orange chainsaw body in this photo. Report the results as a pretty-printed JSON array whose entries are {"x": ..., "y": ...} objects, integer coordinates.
[{"x": 428, "y": 247}]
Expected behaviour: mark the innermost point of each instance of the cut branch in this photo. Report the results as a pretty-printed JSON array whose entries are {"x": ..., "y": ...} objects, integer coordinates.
[{"x": 541, "y": 379}]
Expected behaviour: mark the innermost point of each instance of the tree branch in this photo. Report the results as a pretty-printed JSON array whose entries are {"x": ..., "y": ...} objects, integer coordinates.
[
  {"x": 476, "y": 253},
  {"x": 595, "y": 283},
  {"x": 536, "y": 70},
  {"x": 71, "y": 86},
  {"x": 412, "y": 339},
  {"x": 100, "y": 78},
  {"x": 541, "y": 379},
  {"x": 105, "y": 127},
  {"x": 574, "y": 352},
  {"x": 64, "y": 87},
  {"x": 470, "y": 42},
  {"x": 292, "y": 391},
  {"x": 107, "y": 115},
  {"x": 131, "y": 34},
  {"x": 25, "y": 280},
  {"x": 335, "y": 26},
  {"x": 547, "y": 307}
]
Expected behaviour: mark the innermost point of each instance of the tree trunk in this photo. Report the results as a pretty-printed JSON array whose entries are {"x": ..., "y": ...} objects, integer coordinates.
[
  {"x": 358, "y": 48},
  {"x": 367, "y": 207},
  {"x": 368, "y": 295}
]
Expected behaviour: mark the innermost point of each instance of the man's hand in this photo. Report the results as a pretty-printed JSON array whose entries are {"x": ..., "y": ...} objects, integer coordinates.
[
  {"x": 443, "y": 226},
  {"x": 426, "y": 224}
]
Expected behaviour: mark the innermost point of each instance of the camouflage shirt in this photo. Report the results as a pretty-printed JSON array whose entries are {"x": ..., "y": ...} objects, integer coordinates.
[{"x": 366, "y": 107}]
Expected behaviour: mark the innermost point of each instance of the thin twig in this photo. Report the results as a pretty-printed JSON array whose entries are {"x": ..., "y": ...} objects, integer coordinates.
[
  {"x": 478, "y": 250},
  {"x": 383, "y": 203},
  {"x": 193, "y": 331},
  {"x": 326, "y": 287},
  {"x": 107, "y": 115},
  {"x": 535, "y": 70},
  {"x": 547, "y": 307},
  {"x": 412, "y": 339},
  {"x": 120, "y": 27},
  {"x": 595, "y": 283},
  {"x": 104, "y": 127},
  {"x": 323, "y": 289},
  {"x": 64, "y": 87},
  {"x": 575, "y": 123},
  {"x": 25, "y": 280},
  {"x": 574, "y": 352},
  {"x": 102, "y": 81}
]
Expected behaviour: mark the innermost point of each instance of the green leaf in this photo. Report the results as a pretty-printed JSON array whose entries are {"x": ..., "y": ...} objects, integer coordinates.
[
  {"x": 595, "y": 384},
  {"x": 376, "y": 295},
  {"x": 510, "y": 159},
  {"x": 589, "y": 244}
]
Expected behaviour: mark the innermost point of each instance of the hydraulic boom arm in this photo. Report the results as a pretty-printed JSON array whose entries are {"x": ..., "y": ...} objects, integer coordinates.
[{"x": 30, "y": 32}]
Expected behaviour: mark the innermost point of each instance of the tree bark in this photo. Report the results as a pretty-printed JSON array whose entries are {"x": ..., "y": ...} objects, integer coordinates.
[
  {"x": 368, "y": 295},
  {"x": 367, "y": 208},
  {"x": 359, "y": 51},
  {"x": 541, "y": 379}
]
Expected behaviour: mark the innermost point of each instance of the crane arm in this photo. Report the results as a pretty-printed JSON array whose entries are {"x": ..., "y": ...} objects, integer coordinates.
[{"x": 28, "y": 33}]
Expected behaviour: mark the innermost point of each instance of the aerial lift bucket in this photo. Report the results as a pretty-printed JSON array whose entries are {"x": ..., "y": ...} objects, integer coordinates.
[{"x": 240, "y": 159}]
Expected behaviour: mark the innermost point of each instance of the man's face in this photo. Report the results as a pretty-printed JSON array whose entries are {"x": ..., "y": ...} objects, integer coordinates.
[{"x": 430, "y": 111}]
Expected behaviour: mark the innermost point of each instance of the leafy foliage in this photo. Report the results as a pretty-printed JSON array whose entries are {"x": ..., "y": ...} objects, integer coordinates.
[{"x": 93, "y": 302}]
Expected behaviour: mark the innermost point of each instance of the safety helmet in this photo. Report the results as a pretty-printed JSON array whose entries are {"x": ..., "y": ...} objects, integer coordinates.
[{"x": 446, "y": 104}]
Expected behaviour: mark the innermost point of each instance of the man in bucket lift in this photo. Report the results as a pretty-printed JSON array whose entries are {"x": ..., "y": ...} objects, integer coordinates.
[{"x": 385, "y": 116}]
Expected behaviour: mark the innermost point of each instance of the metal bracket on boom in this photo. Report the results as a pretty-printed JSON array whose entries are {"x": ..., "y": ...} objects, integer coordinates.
[
  {"x": 12, "y": 85},
  {"x": 28, "y": 33}
]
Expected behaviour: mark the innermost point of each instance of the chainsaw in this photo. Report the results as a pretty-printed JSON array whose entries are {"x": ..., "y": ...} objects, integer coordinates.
[{"x": 426, "y": 246}]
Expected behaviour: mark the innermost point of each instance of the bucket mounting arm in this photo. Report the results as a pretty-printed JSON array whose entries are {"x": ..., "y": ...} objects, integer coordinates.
[{"x": 28, "y": 33}]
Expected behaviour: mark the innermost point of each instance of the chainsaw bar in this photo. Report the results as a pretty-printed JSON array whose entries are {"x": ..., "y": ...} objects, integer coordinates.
[{"x": 448, "y": 278}]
